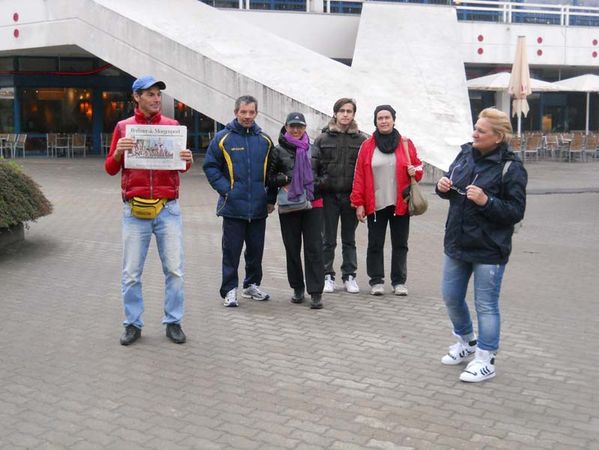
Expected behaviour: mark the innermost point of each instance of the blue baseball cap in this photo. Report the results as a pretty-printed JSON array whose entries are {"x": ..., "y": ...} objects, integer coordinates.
[{"x": 146, "y": 82}]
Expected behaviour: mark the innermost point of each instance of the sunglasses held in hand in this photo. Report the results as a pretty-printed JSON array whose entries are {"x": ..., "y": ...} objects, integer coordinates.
[{"x": 458, "y": 190}]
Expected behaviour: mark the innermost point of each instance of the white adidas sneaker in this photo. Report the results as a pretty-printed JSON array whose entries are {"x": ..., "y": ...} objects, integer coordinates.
[
  {"x": 481, "y": 368},
  {"x": 459, "y": 352}
]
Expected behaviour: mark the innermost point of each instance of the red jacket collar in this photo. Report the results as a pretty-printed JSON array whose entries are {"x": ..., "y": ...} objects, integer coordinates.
[{"x": 141, "y": 118}]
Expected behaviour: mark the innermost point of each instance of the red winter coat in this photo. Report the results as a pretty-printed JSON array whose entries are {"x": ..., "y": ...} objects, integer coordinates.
[
  {"x": 363, "y": 188},
  {"x": 141, "y": 182}
]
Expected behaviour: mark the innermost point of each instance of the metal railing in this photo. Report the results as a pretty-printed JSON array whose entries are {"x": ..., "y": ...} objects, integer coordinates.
[
  {"x": 470, "y": 10},
  {"x": 534, "y": 13}
]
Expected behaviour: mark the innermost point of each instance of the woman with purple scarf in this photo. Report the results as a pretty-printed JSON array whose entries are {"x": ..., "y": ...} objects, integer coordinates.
[{"x": 300, "y": 211}]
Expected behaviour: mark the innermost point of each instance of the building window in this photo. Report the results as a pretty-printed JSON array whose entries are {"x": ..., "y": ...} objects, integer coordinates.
[
  {"x": 280, "y": 5},
  {"x": 7, "y": 99},
  {"x": 48, "y": 110},
  {"x": 200, "y": 128},
  {"x": 222, "y": 3},
  {"x": 7, "y": 64},
  {"x": 116, "y": 106},
  {"x": 346, "y": 7}
]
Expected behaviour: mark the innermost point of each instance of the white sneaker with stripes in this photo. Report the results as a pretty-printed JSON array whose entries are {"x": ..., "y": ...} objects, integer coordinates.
[
  {"x": 254, "y": 292},
  {"x": 231, "y": 299},
  {"x": 459, "y": 352},
  {"x": 481, "y": 368}
]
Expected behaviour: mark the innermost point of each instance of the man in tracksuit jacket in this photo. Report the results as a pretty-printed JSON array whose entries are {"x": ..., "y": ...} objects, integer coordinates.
[
  {"x": 166, "y": 226},
  {"x": 235, "y": 165}
]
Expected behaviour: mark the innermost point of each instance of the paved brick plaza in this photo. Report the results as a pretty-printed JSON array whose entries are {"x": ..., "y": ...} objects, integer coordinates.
[{"x": 362, "y": 373}]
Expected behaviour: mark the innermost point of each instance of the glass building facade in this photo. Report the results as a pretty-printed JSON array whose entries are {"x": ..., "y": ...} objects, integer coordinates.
[{"x": 40, "y": 95}]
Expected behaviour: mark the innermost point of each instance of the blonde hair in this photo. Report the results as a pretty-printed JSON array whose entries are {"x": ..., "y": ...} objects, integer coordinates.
[{"x": 500, "y": 123}]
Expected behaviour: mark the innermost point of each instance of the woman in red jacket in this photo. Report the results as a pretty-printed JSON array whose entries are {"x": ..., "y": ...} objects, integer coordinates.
[{"x": 383, "y": 172}]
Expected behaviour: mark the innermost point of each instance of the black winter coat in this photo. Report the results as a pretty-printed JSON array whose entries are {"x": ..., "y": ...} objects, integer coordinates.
[
  {"x": 334, "y": 155},
  {"x": 483, "y": 234},
  {"x": 280, "y": 167}
]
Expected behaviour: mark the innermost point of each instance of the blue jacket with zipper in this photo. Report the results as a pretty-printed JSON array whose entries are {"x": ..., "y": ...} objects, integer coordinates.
[
  {"x": 483, "y": 234},
  {"x": 235, "y": 165}
]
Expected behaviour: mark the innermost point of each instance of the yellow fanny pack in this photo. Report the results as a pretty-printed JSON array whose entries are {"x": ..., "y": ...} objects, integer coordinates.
[{"x": 146, "y": 208}]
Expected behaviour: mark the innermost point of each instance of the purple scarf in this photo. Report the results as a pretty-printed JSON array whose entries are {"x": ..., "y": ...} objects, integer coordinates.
[{"x": 302, "y": 178}]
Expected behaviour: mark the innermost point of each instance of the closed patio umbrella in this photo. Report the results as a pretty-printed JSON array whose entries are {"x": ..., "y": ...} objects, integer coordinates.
[
  {"x": 519, "y": 86},
  {"x": 584, "y": 83}
]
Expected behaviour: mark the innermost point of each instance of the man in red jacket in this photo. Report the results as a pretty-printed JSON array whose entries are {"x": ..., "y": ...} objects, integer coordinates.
[{"x": 162, "y": 186}]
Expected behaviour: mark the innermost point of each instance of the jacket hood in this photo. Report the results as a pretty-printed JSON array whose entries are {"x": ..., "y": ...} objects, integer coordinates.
[
  {"x": 332, "y": 127},
  {"x": 283, "y": 142},
  {"x": 236, "y": 127}
]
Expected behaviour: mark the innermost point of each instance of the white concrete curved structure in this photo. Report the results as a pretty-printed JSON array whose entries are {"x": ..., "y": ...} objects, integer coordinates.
[{"x": 209, "y": 57}]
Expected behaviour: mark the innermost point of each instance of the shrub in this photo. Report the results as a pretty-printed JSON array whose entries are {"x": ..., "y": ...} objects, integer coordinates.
[{"x": 21, "y": 198}]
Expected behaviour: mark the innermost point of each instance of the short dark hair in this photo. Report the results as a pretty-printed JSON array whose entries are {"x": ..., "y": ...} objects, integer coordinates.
[
  {"x": 246, "y": 100},
  {"x": 342, "y": 101}
]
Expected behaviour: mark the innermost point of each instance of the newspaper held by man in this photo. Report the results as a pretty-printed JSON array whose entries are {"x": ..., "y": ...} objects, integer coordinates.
[{"x": 157, "y": 147}]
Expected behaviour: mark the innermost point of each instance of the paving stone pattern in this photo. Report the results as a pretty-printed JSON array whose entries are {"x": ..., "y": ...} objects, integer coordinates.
[{"x": 363, "y": 373}]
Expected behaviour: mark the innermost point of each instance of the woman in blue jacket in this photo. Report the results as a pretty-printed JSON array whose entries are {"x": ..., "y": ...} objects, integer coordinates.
[{"x": 486, "y": 189}]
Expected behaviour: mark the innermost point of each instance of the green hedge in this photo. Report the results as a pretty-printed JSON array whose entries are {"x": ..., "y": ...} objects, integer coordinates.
[{"x": 21, "y": 198}]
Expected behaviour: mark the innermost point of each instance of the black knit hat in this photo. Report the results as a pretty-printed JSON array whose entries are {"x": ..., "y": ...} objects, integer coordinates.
[{"x": 383, "y": 108}]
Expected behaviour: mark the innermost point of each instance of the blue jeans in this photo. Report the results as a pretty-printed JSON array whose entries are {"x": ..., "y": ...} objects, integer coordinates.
[
  {"x": 137, "y": 233},
  {"x": 487, "y": 284}
]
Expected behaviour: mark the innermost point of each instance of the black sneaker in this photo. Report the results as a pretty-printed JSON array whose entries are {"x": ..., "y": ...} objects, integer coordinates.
[
  {"x": 316, "y": 301},
  {"x": 298, "y": 295},
  {"x": 175, "y": 333},
  {"x": 130, "y": 335}
]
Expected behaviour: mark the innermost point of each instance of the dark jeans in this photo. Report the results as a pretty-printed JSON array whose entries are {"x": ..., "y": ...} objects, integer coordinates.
[
  {"x": 294, "y": 226},
  {"x": 235, "y": 233},
  {"x": 377, "y": 229},
  {"x": 338, "y": 206}
]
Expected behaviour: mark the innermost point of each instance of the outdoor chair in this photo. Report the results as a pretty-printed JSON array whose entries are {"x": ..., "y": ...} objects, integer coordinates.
[
  {"x": 78, "y": 144},
  {"x": 591, "y": 144},
  {"x": 20, "y": 144},
  {"x": 50, "y": 144},
  {"x": 62, "y": 145},
  {"x": 532, "y": 147},
  {"x": 10, "y": 142},
  {"x": 3, "y": 144},
  {"x": 552, "y": 145},
  {"x": 576, "y": 148},
  {"x": 516, "y": 144},
  {"x": 105, "y": 140}
]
